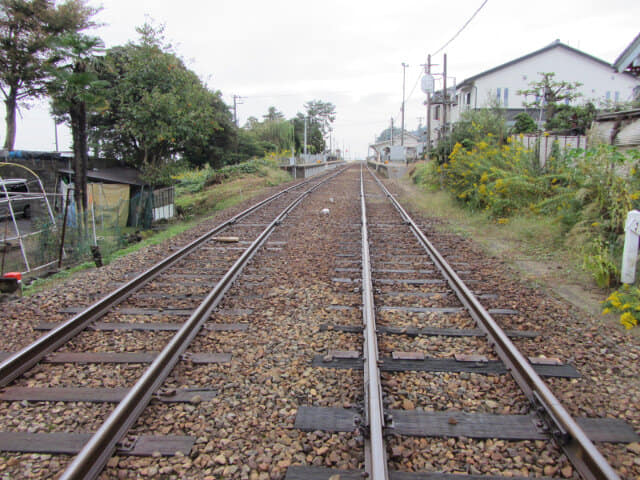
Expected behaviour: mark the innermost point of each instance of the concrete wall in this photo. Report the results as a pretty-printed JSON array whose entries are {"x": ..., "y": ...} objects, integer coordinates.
[
  {"x": 46, "y": 169},
  {"x": 310, "y": 170}
]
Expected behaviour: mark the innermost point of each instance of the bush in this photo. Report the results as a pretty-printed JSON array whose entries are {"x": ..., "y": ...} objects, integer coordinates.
[
  {"x": 625, "y": 302},
  {"x": 588, "y": 192},
  {"x": 474, "y": 126},
  {"x": 524, "y": 124},
  {"x": 492, "y": 177}
]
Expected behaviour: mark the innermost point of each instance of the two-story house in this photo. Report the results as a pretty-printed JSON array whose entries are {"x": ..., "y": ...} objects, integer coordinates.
[{"x": 600, "y": 82}]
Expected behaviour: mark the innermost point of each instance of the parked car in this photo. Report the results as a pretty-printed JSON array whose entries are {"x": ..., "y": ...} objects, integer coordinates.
[{"x": 17, "y": 190}]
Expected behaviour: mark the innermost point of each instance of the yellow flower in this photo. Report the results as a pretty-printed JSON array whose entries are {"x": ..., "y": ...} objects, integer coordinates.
[
  {"x": 503, "y": 221},
  {"x": 628, "y": 320},
  {"x": 484, "y": 177},
  {"x": 595, "y": 224},
  {"x": 605, "y": 311}
]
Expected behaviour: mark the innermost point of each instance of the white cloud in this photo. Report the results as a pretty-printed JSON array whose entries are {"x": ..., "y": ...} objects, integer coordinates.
[{"x": 287, "y": 52}]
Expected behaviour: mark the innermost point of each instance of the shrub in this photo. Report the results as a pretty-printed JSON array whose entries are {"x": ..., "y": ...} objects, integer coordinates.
[
  {"x": 524, "y": 124},
  {"x": 626, "y": 303},
  {"x": 588, "y": 193}
]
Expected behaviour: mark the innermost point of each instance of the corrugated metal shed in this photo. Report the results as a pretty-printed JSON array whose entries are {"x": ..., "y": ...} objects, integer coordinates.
[{"x": 629, "y": 135}]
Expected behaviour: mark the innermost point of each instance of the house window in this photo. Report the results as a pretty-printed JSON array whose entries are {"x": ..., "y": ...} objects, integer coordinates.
[
  {"x": 498, "y": 95},
  {"x": 436, "y": 115},
  {"x": 506, "y": 97},
  {"x": 468, "y": 98},
  {"x": 617, "y": 97}
]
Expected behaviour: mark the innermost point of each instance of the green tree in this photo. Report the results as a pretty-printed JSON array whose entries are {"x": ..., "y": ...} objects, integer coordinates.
[
  {"x": 158, "y": 109},
  {"x": 321, "y": 117},
  {"x": 273, "y": 115},
  {"x": 524, "y": 124},
  {"x": 549, "y": 93},
  {"x": 573, "y": 119},
  {"x": 27, "y": 28},
  {"x": 277, "y": 132},
  {"x": 386, "y": 135},
  {"x": 251, "y": 123},
  {"x": 75, "y": 90}
]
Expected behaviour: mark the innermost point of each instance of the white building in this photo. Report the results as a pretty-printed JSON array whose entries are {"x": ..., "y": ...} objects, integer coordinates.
[
  {"x": 629, "y": 59},
  {"x": 393, "y": 151},
  {"x": 600, "y": 82}
]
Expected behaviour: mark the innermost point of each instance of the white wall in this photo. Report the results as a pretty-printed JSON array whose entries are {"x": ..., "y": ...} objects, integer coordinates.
[{"x": 597, "y": 79}]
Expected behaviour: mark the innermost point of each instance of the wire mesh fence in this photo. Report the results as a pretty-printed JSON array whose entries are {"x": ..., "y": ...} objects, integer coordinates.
[{"x": 61, "y": 235}]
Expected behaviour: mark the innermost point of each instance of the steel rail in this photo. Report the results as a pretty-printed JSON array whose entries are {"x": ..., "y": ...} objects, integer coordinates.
[
  {"x": 90, "y": 461},
  {"x": 24, "y": 359},
  {"x": 582, "y": 453},
  {"x": 375, "y": 453}
]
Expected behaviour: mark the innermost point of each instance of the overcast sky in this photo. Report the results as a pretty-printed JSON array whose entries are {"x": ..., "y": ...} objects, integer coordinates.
[{"x": 349, "y": 52}]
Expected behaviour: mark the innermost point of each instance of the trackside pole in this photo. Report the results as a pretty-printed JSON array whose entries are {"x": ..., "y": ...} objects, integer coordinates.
[{"x": 630, "y": 254}]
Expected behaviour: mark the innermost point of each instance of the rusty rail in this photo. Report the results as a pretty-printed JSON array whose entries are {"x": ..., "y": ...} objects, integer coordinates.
[
  {"x": 376, "y": 454},
  {"x": 582, "y": 453},
  {"x": 90, "y": 461},
  {"x": 23, "y": 360}
]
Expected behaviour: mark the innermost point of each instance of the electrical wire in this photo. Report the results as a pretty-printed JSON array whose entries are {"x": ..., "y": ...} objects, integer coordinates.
[
  {"x": 461, "y": 29},
  {"x": 446, "y": 44}
]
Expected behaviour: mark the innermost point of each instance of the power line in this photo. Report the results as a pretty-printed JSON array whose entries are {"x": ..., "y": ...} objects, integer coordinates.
[
  {"x": 448, "y": 42},
  {"x": 461, "y": 29}
]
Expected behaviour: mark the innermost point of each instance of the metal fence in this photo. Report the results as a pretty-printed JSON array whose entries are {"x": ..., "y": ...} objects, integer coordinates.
[{"x": 546, "y": 144}]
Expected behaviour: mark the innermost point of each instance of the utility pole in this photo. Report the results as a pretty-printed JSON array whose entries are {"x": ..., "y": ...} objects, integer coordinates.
[
  {"x": 444, "y": 98},
  {"x": 392, "y": 131},
  {"x": 305, "y": 136},
  {"x": 427, "y": 71},
  {"x": 55, "y": 131},
  {"x": 404, "y": 68},
  {"x": 236, "y": 102}
]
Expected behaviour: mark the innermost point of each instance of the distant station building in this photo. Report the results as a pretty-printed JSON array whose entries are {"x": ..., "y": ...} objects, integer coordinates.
[{"x": 392, "y": 150}]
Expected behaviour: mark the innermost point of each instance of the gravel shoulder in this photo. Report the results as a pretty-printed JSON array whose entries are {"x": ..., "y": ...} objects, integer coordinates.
[
  {"x": 239, "y": 438},
  {"x": 565, "y": 310}
]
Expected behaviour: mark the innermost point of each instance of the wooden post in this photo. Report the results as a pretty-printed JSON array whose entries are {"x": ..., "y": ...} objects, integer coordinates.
[{"x": 64, "y": 228}]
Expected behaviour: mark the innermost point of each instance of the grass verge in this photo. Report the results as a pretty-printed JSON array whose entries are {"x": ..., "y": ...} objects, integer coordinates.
[{"x": 533, "y": 246}]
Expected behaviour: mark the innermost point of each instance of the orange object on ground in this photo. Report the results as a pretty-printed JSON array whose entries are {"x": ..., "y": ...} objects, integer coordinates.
[{"x": 16, "y": 275}]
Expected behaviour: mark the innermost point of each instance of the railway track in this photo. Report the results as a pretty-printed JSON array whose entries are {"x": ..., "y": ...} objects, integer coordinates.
[
  {"x": 275, "y": 384},
  {"x": 405, "y": 257},
  {"x": 210, "y": 282}
]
